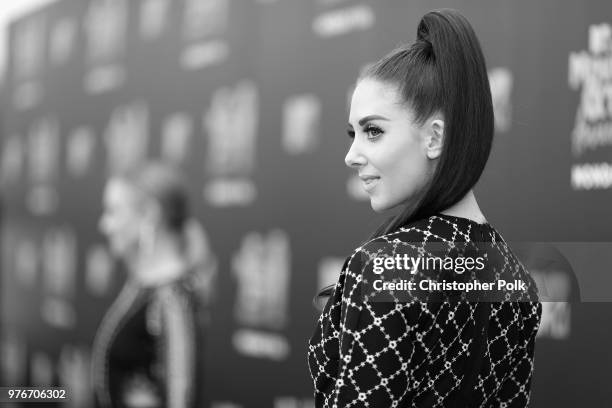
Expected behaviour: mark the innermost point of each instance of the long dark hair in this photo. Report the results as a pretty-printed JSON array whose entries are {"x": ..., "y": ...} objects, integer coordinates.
[{"x": 443, "y": 71}]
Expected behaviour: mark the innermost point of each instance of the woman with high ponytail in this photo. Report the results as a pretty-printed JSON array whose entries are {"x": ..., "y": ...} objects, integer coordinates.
[
  {"x": 148, "y": 350},
  {"x": 421, "y": 125}
]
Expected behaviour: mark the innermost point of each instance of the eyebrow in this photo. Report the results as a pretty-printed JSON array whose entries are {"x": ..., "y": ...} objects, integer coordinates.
[{"x": 366, "y": 119}]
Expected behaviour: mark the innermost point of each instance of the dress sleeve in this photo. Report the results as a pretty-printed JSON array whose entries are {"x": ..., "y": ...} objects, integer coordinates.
[
  {"x": 179, "y": 351},
  {"x": 369, "y": 369},
  {"x": 397, "y": 353}
]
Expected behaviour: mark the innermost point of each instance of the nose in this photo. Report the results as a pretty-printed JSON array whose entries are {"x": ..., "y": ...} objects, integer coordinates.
[{"x": 354, "y": 158}]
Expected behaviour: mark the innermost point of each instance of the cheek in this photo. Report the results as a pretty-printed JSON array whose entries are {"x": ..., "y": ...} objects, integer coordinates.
[
  {"x": 407, "y": 175},
  {"x": 412, "y": 171},
  {"x": 130, "y": 230},
  {"x": 120, "y": 226},
  {"x": 124, "y": 238}
]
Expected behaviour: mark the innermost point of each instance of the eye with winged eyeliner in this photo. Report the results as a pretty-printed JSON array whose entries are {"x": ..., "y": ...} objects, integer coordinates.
[
  {"x": 373, "y": 132},
  {"x": 367, "y": 128}
]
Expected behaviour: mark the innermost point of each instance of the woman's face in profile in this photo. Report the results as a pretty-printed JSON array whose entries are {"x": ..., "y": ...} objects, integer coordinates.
[
  {"x": 120, "y": 221},
  {"x": 388, "y": 149}
]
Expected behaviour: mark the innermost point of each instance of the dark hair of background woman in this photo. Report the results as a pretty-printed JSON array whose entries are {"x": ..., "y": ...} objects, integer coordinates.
[
  {"x": 163, "y": 184},
  {"x": 443, "y": 71}
]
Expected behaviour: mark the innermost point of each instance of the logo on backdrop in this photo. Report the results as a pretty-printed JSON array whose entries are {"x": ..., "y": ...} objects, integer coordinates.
[
  {"x": 231, "y": 127},
  {"x": 301, "y": 118},
  {"x": 177, "y": 133},
  {"x": 13, "y": 154},
  {"x": 13, "y": 357},
  {"x": 62, "y": 40},
  {"x": 556, "y": 315},
  {"x": 98, "y": 270},
  {"x": 105, "y": 25},
  {"x": 501, "y": 82},
  {"x": 41, "y": 368},
  {"x": 43, "y": 164},
  {"x": 59, "y": 249},
  {"x": 28, "y": 48},
  {"x": 80, "y": 149},
  {"x": 204, "y": 21},
  {"x": 73, "y": 372},
  {"x": 28, "y": 51},
  {"x": 334, "y": 21},
  {"x": 203, "y": 18},
  {"x": 590, "y": 72},
  {"x": 26, "y": 262},
  {"x": 106, "y": 28},
  {"x": 558, "y": 287},
  {"x": 153, "y": 18},
  {"x": 262, "y": 270},
  {"x": 127, "y": 136},
  {"x": 261, "y": 267}
]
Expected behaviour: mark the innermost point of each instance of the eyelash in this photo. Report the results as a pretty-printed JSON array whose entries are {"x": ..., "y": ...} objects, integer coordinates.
[{"x": 368, "y": 129}]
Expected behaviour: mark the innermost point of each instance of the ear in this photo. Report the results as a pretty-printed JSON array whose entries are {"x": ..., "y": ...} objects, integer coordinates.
[{"x": 435, "y": 138}]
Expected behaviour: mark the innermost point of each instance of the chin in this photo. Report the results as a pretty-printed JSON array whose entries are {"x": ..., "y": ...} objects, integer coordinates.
[
  {"x": 379, "y": 207},
  {"x": 118, "y": 250}
]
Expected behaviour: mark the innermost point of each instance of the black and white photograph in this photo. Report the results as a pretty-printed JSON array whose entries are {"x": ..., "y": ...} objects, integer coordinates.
[{"x": 305, "y": 204}]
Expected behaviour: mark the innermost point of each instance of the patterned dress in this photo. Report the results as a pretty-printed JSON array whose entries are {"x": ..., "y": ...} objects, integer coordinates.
[
  {"x": 427, "y": 351},
  {"x": 148, "y": 348}
]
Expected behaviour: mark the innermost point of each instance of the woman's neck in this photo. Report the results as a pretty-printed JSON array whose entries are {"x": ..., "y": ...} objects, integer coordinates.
[
  {"x": 160, "y": 264},
  {"x": 468, "y": 208}
]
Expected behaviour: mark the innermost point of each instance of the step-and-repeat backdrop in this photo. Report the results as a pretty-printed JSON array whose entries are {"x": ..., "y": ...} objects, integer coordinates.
[{"x": 250, "y": 99}]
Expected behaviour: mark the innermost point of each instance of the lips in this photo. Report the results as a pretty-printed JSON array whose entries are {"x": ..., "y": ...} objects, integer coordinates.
[{"x": 369, "y": 181}]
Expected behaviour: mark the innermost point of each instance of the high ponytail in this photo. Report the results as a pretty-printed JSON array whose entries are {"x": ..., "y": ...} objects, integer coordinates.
[{"x": 443, "y": 71}]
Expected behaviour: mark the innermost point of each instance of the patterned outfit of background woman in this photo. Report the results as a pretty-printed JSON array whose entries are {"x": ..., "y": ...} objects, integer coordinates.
[
  {"x": 148, "y": 351},
  {"x": 421, "y": 124}
]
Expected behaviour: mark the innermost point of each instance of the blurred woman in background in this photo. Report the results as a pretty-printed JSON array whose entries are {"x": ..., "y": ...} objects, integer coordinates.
[{"x": 148, "y": 348}]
